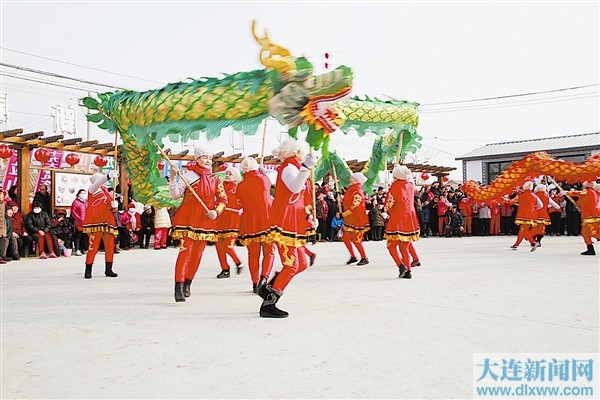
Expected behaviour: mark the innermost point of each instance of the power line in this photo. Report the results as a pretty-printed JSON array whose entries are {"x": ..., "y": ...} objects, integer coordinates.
[
  {"x": 475, "y": 108},
  {"x": 514, "y": 101},
  {"x": 47, "y": 83},
  {"x": 82, "y": 66},
  {"x": 52, "y": 74},
  {"x": 502, "y": 97}
]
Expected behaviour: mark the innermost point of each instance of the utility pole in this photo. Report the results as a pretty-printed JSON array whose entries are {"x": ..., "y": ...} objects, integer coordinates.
[{"x": 88, "y": 123}]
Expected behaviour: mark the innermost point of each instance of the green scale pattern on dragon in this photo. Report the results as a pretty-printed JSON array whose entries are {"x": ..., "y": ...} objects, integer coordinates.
[{"x": 286, "y": 89}]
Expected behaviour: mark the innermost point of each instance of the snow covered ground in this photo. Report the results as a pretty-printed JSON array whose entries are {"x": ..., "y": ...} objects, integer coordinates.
[{"x": 353, "y": 332}]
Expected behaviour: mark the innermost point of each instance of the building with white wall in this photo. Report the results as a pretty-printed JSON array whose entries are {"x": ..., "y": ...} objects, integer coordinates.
[{"x": 486, "y": 163}]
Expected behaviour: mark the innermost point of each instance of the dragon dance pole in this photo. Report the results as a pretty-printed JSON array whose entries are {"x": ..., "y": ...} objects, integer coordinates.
[
  {"x": 262, "y": 148},
  {"x": 399, "y": 152},
  {"x": 192, "y": 191},
  {"x": 115, "y": 164},
  {"x": 562, "y": 191},
  {"x": 337, "y": 186}
]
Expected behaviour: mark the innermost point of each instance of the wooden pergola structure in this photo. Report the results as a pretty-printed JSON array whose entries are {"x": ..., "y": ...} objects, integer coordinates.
[
  {"x": 433, "y": 170},
  {"x": 25, "y": 143}
]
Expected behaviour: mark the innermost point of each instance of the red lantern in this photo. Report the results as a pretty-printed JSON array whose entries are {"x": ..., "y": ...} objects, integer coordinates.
[
  {"x": 445, "y": 179},
  {"x": 190, "y": 165},
  {"x": 222, "y": 167},
  {"x": 5, "y": 151},
  {"x": 42, "y": 155},
  {"x": 100, "y": 161},
  {"x": 72, "y": 159},
  {"x": 160, "y": 165},
  {"x": 424, "y": 176}
]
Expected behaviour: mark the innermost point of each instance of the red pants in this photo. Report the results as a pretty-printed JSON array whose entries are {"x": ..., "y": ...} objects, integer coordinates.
[
  {"x": 524, "y": 232},
  {"x": 294, "y": 261},
  {"x": 39, "y": 240},
  {"x": 495, "y": 224},
  {"x": 160, "y": 237},
  {"x": 402, "y": 252},
  {"x": 468, "y": 225},
  {"x": 354, "y": 238},
  {"x": 268, "y": 250},
  {"x": 188, "y": 260},
  {"x": 109, "y": 246},
  {"x": 225, "y": 247},
  {"x": 538, "y": 229},
  {"x": 589, "y": 231},
  {"x": 441, "y": 219}
]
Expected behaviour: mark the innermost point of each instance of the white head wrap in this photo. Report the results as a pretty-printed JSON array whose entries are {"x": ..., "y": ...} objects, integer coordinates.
[
  {"x": 287, "y": 149},
  {"x": 359, "y": 177},
  {"x": 588, "y": 184},
  {"x": 401, "y": 172},
  {"x": 235, "y": 172},
  {"x": 540, "y": 188},
  {"x": 249, "y": 164},
  {"x": 94, "y": 178},
  {"x": 528, "y": 185},
  {"x": 200, "y": 151}
]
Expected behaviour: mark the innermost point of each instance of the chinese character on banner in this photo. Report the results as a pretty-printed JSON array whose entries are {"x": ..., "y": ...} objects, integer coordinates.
[
  {"x": 55, "y": 161},
  {"x": 11, "y": 174}
]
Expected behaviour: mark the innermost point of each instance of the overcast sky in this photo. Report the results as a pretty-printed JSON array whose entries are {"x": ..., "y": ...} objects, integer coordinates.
[{"x": 427, "y": 52}]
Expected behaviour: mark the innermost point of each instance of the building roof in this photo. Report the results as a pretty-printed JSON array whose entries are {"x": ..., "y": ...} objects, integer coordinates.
[{"x": 586, "y": 141}]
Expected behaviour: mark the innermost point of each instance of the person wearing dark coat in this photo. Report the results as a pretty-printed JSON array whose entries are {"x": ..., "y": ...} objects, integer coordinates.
[
  {"x": 147, "y": 218},
  {"x": 38, "y": 226},
  {"x": 43, "y": 197}
]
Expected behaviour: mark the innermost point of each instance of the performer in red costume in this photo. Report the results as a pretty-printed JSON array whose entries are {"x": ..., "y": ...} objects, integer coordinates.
[
  {"x": 356, "y": 221},
  {"x": 589, "y": 202},
  {"x": 192, "y": 224},
  {"x": 228, "y": 224},
  {"x": 254, "y": 197},
  {"x": 543, "y": 216},
  {"x": 526, "y": 218},
  {"x": 403, "y": 226},
  {"x": 288, "y": 222},
  {"x": 100, "y": 223}
]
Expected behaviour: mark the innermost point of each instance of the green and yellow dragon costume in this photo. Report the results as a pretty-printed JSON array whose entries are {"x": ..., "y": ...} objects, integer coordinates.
[{"x": 286, "y": 89}]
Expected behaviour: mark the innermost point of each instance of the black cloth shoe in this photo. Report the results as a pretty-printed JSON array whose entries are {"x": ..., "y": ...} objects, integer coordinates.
[
  {"x": 407, "y": 275},
  {"x": 254, "y": 288},
  {"x": 415, "y": 263},
  {"x": 261, "y": 284},
  {"x": 312, "y": 260},
  {"x": 363, "y": 261},
  {"x": 352, "y": 260},
  {"x": 108, "y": 270},
  {"x": 534, "y": 246},
  {"x": 590, "y": 251},
  {"x": 402, "y": 271},
  {"x": 223, "y": 274},
  {"x": 179, "y": 297},
  {"x": 186, "y": 288},
  {"x": 88, "y": 271},
  {"x": 240, "y": 267},
  {"x": 268, "y": 308}
]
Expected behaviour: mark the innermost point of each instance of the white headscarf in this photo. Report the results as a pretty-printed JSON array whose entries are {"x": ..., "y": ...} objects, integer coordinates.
[
  {"x": 200, "y": 151},
  {"x": 359, "y": 177},
  {"x": 249, "y": 164},
  {"x": 288, "y": 149},
  {"x": 528, "y": 185},
  {"x": 401, "y": 172}
]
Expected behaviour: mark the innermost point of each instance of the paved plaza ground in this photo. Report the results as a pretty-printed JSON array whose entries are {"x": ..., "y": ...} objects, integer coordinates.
[{"x": 353, "y": 332}]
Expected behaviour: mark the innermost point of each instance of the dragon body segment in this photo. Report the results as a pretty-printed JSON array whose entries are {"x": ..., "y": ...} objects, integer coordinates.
[{"x": 286, "y": 89}]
